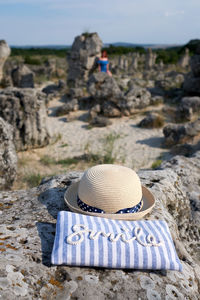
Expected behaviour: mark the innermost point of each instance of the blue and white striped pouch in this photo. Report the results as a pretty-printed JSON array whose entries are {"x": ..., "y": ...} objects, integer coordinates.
[{"x": 99, "y": 242}]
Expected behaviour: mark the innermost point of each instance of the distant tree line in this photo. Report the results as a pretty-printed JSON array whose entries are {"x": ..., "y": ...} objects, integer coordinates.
[
  {"x": 39, "y": 51},
  {"x": 168, "y": 55},
  {"x": 120, "y": 50}
]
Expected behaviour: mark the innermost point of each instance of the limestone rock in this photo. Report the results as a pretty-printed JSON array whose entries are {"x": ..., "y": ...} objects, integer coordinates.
[
  {"x": 103, "y": 88},
  {"x": 192, "y": 81},
  {"x": 150, "y": 59},
  {"x": 28, "y": 235},
  {"x": 152, "y": 120},
  {"x": 53, "y": 88},
  {"x": 4, "y": 53},
  {"x": 111, "y": 110},
  {"x": 25, "y": 110},
  {"x": 81, "y": 60},
  {"x": 137, "y": 97},
  {"x": 8, "y": 156},
  {"x": 71, "y": 105},
  {"x": 22, "y": 77},
  {"x": 187, "y": 107},
  {"x": 185, "y": 59},
  {"x": 191, "y": 86},
  {"x": 195, "y": 65},
  {"x": 100, "y": 121},
  {"x": 178, "y": 134}
]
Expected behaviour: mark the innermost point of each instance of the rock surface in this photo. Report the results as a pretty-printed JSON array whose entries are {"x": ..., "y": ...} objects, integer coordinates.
[
  {"x": 72, "y": 105},
  {"x": 8, "y": 156},
  {"x": 152, "y": 120},
  {"x": 25, "y": 110},
  {"x": 103, "y": 87},
  {"x": 192, "y": 82},
  {"x": 179, "y": 134},
  {"x": 187, "y": 107},
  {"x": 4, "y": 53},
  {"x": 27, "y": 237},
  {"x": 22, "y": 77},
  {"x": 84, "y": 52}
]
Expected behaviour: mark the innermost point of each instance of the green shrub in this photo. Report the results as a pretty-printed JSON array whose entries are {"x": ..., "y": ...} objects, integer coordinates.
[
  {"x": 47, "y": 160},
  {"x": 33, "y": 179},
  {"x": 156, "y": 164},
  {"x": 68, "y": 161},
  {"x": 32, "y": 60}
]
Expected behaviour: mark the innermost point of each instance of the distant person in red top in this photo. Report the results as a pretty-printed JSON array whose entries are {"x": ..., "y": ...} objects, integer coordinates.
[{"x": 104, "y": 63}]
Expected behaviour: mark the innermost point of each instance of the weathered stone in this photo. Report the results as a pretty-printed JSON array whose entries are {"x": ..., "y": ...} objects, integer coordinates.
[
  {"x": 8, "y": 156},
  {"x": 4, "y": 53},
  {"x": 187, "y": 107},
  {"x": 110, "y": 110},
  {"x": 195, "y": 65},
  {"x": 28, "y": 235},
  {"x": 178, "y": 134},
  {"x": 152, "y": 121},
  {"x": 81, "y": 60},
  {"x": 137, "y": 98},
  {"x": 191, "y": 84},
  {"x": 23, "y": 77},
  {"x": 185, "y": 59},
  {"x": 76, "y": 93},
  {"x": 155, "y": 100},
  {"x": 150, "y": 59},
  {"x": 71, "y": 105},
  {"x": 135, "y": 60},
  {"x": 25, "y": 110},
  {"x": 100, "y": 121},
  {"x": 103, "y": 87},
  {"x": 53, "y": 88}
]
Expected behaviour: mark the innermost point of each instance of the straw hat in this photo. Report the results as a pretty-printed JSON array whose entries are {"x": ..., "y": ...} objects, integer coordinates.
[{"x": 110, "y": 191}]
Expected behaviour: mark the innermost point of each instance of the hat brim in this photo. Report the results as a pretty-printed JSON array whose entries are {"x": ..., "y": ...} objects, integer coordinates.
[{"x": 70, "y": 198}]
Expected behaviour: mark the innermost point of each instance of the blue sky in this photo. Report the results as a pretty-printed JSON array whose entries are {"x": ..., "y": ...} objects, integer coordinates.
[{"x": 42, "y": 22}]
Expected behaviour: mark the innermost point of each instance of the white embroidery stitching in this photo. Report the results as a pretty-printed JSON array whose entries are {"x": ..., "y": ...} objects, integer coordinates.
[{"x": 79, "y": 230}]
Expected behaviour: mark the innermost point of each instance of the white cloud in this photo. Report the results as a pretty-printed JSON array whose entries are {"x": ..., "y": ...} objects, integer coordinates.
[{"x": 174, "y": 13}]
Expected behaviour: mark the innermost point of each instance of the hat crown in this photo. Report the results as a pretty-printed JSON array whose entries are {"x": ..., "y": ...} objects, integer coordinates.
[{"x": 110, "y": 188}]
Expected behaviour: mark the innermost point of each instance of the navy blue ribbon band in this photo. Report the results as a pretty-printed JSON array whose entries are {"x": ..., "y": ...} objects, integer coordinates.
[{"x": 89, "y": 208}]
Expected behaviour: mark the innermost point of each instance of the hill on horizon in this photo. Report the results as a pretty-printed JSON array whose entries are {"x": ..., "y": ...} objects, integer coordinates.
[{"x": 117, "y": 44}]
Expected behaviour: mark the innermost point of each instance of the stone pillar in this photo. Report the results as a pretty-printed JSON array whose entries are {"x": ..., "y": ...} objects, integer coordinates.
[
  {"x": 121, "y": 62},
  {"x": 81, "y": 60},
  {"x": 150, "y": 59},
  {"x": 135, "y": 59},
  {"x": 4, "y": 53},
  {"x": 185, "y": 59},
  {"x": 191, "y": 84},
  {"x": 22, "y": 77}
]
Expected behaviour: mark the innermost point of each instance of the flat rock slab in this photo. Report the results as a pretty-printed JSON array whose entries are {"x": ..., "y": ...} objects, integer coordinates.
[{"x": 28, "y": 221}]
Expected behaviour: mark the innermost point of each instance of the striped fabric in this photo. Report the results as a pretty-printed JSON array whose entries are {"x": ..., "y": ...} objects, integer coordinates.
[{"x": 92, "y": 241}]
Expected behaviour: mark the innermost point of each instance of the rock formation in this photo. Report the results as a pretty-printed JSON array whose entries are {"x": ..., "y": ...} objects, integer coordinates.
[
  {"x": 192, "y": 82},
  {"x": 84, "y": 52},
  {"x": 135, "y": 60},
  {"x": 22, "y": 77},
  {"x": 25, "y": 110},
  {"x": 185, "y": 59},
  {"x": 152, "y": 120},
  {"x": 4, "y": 53},
  {"x": 102, "y": 87},
  {"x": 150, "y": 59},
  {"x": 179, "y": 134},
  {"x": 136, "y": 98},
  {"x": 53, "y": 88},
  {"x": 187, "y": 107},
  {"x": 113, "y": 102},
  {"x": 28, "y": 234},
  {"x": 8, "y": 156}
]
